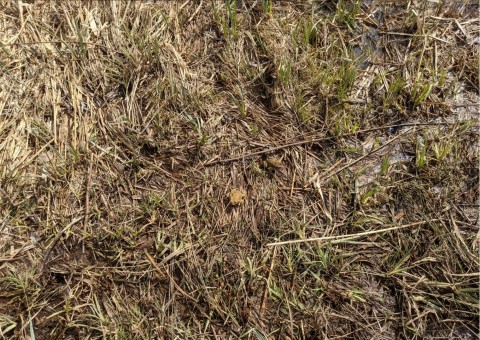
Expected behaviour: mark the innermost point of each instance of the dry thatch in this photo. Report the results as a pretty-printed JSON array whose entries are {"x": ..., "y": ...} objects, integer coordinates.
[{"x": 255, "y": 169}]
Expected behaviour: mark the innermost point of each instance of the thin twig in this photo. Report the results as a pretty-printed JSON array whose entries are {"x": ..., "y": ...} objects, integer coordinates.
[
  {"x": 267, "y": 284},
  {"x": 53, "y": 42},
  {"x": 411, "y": 35},
  {"x": 316, "y": 140},
  {"x": 160, "y": 274},
  {"x": 348, "y": 165},
  {"x": 349, "y": 236}
]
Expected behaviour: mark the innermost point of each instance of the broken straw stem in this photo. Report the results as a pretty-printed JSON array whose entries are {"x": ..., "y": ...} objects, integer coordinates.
[{"x": 348, "y": 236}]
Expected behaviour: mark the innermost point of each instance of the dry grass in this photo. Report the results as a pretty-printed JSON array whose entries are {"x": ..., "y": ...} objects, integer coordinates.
[{"x": 126, "y": 126}]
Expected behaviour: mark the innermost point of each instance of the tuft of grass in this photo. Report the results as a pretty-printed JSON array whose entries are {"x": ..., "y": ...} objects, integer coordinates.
[{"x": 347, "y": 12}]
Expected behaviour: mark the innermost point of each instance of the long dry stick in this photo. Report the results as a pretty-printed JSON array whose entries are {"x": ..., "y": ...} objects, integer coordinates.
[
  {"x": 314, "y": 140},
  {"x": 349, "y": 236}
]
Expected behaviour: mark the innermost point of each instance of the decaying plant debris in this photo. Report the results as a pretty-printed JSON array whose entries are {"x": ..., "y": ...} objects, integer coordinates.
[{"x": 125, "y": 126}]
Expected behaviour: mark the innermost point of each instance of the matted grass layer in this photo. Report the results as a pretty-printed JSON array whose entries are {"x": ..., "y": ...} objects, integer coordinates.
[{"x": 239, "y": 169}]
